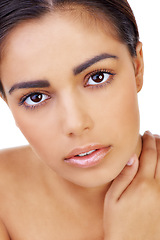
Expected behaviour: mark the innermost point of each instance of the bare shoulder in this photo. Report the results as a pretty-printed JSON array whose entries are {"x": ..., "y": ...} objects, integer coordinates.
[
  {"x": 13, "y": 154},
  {"x": 16, "y": 154},
  {"x": 14, "y": 163}
]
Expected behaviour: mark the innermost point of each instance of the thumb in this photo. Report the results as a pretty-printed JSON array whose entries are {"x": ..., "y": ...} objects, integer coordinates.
[{"x": 123, "y": 180}]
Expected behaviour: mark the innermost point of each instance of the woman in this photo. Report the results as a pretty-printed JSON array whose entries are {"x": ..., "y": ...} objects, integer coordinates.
[{"x": 70, "y": 73}]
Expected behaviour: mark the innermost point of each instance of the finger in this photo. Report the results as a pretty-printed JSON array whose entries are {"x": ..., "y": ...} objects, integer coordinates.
[
  {"x": 148, "y": 158},
  {"x": 157, "y": 174},
  {"x": 123, "y": 180}
]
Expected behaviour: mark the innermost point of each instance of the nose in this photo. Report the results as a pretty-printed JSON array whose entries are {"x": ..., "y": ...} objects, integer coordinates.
[{"x": 76, "y": 119}]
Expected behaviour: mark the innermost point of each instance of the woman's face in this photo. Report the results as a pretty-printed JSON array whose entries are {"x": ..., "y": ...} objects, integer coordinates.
[{"x": 72, "y": 88}]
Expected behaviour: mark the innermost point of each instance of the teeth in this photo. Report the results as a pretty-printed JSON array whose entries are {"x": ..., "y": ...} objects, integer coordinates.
[{"x": 87, "y": 153}]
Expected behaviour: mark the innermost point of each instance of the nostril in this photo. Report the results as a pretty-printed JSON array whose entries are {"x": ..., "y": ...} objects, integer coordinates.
[
  {"x": 70, "y": 134},
  {"x": 78, "y": 132}
]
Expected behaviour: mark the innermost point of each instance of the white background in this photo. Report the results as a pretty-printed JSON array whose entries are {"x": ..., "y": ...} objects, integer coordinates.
[{"x": 148, "y": 18}]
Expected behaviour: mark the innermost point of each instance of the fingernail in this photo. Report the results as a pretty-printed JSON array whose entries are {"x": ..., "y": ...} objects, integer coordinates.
[
  {"x": 131, "y": 161},
  {"x": 148, "y": 132}
]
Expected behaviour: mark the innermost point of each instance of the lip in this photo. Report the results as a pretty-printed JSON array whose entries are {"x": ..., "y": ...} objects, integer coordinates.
[{"x": 88, "y": 160}]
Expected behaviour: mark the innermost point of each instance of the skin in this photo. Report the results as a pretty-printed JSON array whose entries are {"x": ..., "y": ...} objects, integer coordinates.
[
  {"x": 73, "y": 114},
  {"x": 134, "y": 197},
  {"x": 69, "y": 115}
]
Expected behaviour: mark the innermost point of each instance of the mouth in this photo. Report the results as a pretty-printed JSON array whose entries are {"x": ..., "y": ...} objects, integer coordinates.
[{"x": 87, "y": 157}]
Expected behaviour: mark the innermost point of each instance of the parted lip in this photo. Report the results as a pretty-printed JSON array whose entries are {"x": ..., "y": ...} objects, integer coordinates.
[{"x": 81, "y": 150}]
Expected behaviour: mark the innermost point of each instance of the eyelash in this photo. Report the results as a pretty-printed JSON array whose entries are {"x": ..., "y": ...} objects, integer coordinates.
[
  {"x": 96, "y": 72},
  {"x": 32, "y": 107},
  {"x": 87, "y": 77}
]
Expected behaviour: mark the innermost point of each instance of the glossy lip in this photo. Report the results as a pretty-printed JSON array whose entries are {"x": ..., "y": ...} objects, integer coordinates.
[{"x": 88, "y": 160}]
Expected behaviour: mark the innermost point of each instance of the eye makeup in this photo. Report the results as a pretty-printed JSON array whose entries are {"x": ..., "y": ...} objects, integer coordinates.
[
  {"x": 96, "y": 79},
  {"x": 34, "y": 99},
  {"x": 99, "y": 78}
]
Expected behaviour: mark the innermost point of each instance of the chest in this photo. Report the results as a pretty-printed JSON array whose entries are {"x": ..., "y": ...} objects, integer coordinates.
[{"x": 40, "y": 218}]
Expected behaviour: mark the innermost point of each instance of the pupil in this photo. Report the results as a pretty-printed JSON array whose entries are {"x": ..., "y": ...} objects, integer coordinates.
[
  {"x": 36, "y": 97},
  {"x": 98, "y": 77}
]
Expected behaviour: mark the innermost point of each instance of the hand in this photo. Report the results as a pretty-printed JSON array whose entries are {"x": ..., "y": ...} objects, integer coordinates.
[{"x": 132, "y": 204}]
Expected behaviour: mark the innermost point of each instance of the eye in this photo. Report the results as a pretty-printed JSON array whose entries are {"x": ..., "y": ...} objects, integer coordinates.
[
  {"x": 99, "y": 78},
  {"x": 33, "y": 99}
]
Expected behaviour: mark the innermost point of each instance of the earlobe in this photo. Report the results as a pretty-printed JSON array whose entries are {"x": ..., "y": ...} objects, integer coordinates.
[{"x": 139, "y": 66}]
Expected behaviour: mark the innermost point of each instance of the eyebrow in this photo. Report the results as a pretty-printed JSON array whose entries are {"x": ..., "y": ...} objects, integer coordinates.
[
  {"x": 77, "y": 70},
  {"x": 92, "y": 61},
  {"x": 31, "y": 84}
]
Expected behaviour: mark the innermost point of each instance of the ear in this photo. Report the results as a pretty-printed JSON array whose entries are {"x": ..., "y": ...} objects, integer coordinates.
[{"x": 139, "y": 66}]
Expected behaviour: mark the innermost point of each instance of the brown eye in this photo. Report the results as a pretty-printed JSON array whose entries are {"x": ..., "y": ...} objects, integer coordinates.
[
  {"x": 99, "y": 78},
  {"x": 36, "y": 97}
]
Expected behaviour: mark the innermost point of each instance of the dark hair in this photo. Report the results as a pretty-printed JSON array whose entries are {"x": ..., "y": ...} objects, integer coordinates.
[{"x": 118, "y": 12}]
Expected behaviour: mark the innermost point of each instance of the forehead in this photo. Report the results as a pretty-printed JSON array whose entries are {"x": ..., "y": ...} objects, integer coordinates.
[
  {"x": 77, "y": 17},
  {"x": 55, "y": 41}
]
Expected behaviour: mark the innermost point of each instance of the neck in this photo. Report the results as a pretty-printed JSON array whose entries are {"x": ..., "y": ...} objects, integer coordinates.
[{"x": 84, "y": 196}]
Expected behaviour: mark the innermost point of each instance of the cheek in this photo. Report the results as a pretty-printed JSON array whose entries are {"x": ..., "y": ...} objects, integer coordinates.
[
  {"x": 126, "y": 121},
  {"x": 126, "y": 112},
  {"x": 119, "y": 116},
  {"x": 44, "y": 138},
  {"x": 40, "y": 129}
]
